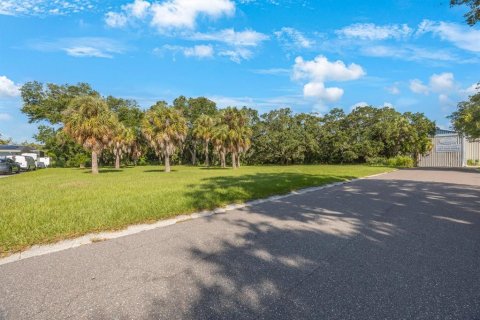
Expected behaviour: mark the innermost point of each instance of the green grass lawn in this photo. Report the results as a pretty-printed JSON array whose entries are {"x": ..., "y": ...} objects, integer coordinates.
[{"x": 53, "y": 204}]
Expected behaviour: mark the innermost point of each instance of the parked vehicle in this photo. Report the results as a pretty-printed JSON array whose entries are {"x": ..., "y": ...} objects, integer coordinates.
[
  {"x": 43, "y": 160},
  {"x": 26, "y": 163},
  {"x": 31, "y": 165},
  {"x": 8, "y": 166}
]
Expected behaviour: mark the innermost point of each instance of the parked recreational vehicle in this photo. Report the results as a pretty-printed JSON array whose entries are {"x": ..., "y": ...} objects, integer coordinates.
[
  {"x": 26, "y": 163},
  {"x": 43, "y": 162}
]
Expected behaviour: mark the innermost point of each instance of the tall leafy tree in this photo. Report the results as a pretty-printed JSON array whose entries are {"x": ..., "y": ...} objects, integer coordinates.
[
  {"x": 239, "y": 133},
  {"x": 203, "y": 129},
  {"x": 128, "y": 141},
  {"x": 47, "y": 102},
  {"x": 192, "y": 109},
  {"x": 4, "y": 140},
  {"x": 472, "y": 16},
  {"x": 122, "y": 142},
  {"x": 60, "y": 147},
  {"x": 219, "y": 140},
  {"x": 466, "y": 119},
  {"x": 421, "y": 131},
  {"x": 165, "y": 128},
  {"x": 89, "y": 121}
]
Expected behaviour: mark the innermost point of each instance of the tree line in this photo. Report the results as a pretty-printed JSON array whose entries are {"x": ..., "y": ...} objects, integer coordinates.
[{"x": 78, "y": 125}]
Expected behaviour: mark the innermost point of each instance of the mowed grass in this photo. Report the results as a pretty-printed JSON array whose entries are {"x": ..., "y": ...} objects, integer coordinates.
[{"x": 52, "y": 204}]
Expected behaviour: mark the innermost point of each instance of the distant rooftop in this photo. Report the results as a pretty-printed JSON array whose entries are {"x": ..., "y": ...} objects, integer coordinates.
[
  {"x": 16, "y": 148},
  {"x": 443, "y": 131}
]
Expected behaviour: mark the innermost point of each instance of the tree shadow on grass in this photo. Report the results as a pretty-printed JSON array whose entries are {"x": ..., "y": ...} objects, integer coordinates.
[
  {"x": 159, "y": 170},
  {"x": 101, "y": 171},
  {"x": 216, "y": 191}
]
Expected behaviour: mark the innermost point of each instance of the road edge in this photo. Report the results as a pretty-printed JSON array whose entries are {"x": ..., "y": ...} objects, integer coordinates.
[{"x": 40, "y": 250}]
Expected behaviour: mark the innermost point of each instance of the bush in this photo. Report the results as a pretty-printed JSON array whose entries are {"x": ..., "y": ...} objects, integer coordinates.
[
  {"x": 398, "y": 162},
  {"x": 377, "y": 161},
  {"x": 471, "y": 162}
]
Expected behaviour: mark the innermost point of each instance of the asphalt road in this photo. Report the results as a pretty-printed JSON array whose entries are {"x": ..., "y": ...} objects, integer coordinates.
[{"x": 405, "y": 245}]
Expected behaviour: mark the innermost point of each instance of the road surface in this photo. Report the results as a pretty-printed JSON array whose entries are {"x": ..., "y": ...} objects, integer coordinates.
[{"x": 404, "y": 245}]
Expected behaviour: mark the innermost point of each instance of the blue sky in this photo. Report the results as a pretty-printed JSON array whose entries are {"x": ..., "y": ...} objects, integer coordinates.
[{"x": 265, "y": 54}]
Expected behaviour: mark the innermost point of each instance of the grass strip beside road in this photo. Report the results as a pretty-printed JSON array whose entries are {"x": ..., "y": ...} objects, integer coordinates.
[{"x": 49, "y": 205}]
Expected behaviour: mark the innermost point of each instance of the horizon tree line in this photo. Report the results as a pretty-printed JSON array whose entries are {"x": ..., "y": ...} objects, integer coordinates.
[{"x": 77, "y": 123}]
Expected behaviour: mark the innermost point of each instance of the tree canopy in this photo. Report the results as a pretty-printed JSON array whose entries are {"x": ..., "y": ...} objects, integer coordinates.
[
  {"x": 89, "y": 121},
  {"x": 466, "y": 119},
  {"x": 473, "y": 15},
  {"x": 47, "y": 102}
]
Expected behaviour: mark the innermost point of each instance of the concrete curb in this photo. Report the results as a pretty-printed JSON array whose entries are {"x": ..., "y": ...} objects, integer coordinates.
[{"x": 39, "y": 250}]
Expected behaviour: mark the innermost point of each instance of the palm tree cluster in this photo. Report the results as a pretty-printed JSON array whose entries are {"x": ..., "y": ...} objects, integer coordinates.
[
  {"x": 228, "y": 131},
  {"x": 97, "y": 124}
]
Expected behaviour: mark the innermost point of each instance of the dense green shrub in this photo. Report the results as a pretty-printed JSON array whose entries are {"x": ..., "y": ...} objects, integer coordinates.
[
  {"x": 398, "y": 162},
  {"x": 471, "y": 162},
  {"x": 377, "y": 161}
]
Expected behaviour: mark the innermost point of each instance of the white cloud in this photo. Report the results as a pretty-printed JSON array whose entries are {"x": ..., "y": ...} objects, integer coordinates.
[
  {"x": 461, "y": 36},
  {"x": 393, "y": 89},
  {"x": 236, "y": 43},
  {"x": 237, "y": 54},
  {"x": 272, "y": 71},
  {"x": 82, "y": 47},
  {"x": 116, "y": 20},
  {"x": 80, "y": 51},
  {"x": 44, "y": 7},
  {"x": 446, "y": 104},
  {"x": 370, "y": 31},
  {"x": 409, "y": 53},
  {"x": 246, "y": 38},
  {"x": 359, "y": 105},
  {"x": 5, "y": 117},
  {"x": 471, "y": 90},
  {"x": 388, "y": 105},
  {"x": 263, "y": 104},
  {"x": 200, "y": 51},
  {"x": 170, "y": 14},
  {"x": 137, "y": 9},
  {"x": 443, "y": 82},
  {"x": 417, "y": 86},
  {"x": 320, "y": 70},
  {"x": 8, "y": 88},
  {"x": 184, "y": 13},
  {"x": 318, "y": 90},
  {"x": 292, "y": 38}
]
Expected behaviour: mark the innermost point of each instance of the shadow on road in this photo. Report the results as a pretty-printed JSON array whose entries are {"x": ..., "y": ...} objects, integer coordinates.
[{"x": 375, "y": 249}]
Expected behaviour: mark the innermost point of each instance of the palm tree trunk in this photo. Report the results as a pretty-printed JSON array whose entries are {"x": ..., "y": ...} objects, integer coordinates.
[
  {"x": 222, "y": 159},
  {"x": 94, "y": 162},
  {"x": 167, "y": 162},
  {"x": 117, "y": 160},
  {"x": 207, "y": 161},
  {"x": 234, "y": 164},
  {"x": 193, "y": 151},
  {"x": 238, "y": 161}
]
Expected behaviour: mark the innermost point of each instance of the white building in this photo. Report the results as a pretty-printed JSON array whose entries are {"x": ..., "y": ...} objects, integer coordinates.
[{"x": 450, "y": 149}]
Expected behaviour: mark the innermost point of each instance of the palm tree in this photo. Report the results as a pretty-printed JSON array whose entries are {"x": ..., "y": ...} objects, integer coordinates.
[
  {"x": 219, "y": 140},
  {"x": 203, "y": 129},
  {"x": 89, "y": 121},
  {"x": 239, "y": 133},
  {"x": 165, "y": 129},
  {"x": 122, "y": 142}
]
